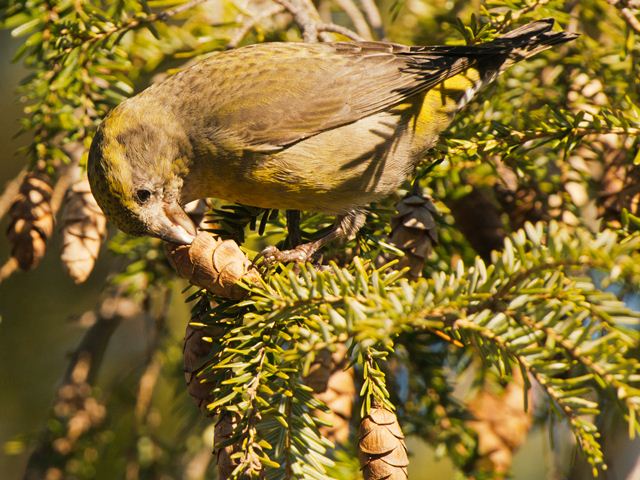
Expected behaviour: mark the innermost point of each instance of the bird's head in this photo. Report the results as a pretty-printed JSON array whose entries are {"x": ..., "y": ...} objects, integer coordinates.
[{"x": 137, "y": 163}]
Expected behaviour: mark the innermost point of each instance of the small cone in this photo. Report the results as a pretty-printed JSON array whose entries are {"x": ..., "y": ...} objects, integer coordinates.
[
  {"x": 414, "y": 231},
  {"x": 381, "y": 447},
  {"x": 214, "y": 264},
  {"x": 84, "y": 228},
  {"x": 222, "y": 432},
  {"x": 31, "y": 223},
  {"x": 224, "y": 451},
  {"x": 196, "y": 356},
  {"x": 335, "y": 387},
  {"x": 501, "y": 425}
]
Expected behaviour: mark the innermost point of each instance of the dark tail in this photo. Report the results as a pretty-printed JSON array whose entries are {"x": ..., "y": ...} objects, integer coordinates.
[
  {"x": 530, "y": 39},
  {"x": 490, "y": 58}
]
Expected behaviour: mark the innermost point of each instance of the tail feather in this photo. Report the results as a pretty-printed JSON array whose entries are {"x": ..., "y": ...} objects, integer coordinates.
[
  {"x": 444, "y": 64},
  {"x": 516, "y": 45},
  {"x": 534, "y": 28},
  {"x": 531, "y": 39}
]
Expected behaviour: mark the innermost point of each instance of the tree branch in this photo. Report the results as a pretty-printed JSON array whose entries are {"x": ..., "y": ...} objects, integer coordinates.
[
  {"x": 306, "y": 16},
  {"x": 373, "y": 17},
  {"x": 333, "y": 28},
  {"x": 251, "y": 22},
  {"x": 302, "y": 18},
  {"x": 357, "y": 18},
  {"x": 10, "y": 191},
  {"x": 628, "y": 15}
]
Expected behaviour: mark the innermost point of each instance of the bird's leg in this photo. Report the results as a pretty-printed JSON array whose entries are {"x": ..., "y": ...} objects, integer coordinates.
[
  {"x": 346, "y": 226},
  {"x": 294, "y": 235}
]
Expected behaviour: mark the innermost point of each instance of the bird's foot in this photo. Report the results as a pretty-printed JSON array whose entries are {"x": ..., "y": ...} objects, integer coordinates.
[
  {"x": 300, "y": 254},
  {"x": 346, "y": 226}
]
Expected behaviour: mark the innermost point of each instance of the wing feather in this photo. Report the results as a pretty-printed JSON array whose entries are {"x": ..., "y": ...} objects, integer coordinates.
[{"x": 268, "y": 96}]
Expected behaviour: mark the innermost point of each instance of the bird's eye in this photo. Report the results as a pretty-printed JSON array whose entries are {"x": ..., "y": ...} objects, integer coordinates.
[{"x": 143, "y": 195}]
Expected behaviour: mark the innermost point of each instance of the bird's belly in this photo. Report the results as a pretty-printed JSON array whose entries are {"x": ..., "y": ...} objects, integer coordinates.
[{"x": 334, "y": 171}]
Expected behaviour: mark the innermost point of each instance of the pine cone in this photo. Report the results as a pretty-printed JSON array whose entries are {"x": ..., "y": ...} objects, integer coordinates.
[
  {"x": 414, "y": 231},
  {"x": 32, "y": 220},
  {"x": 224, "y": 429},
  {"x": 381, "y": 447},
  {"x": 84, "y": 228},
  {"x": 214, "y": 264},
  {"x": 196, "y": 355},
  {"x": 501, "y": 425},
  {"x": 478, "y": 217},
  {"x": 335, "y": 387},
  {"x": 320, "y": 371},
  {"x": 223, "y": 432}
]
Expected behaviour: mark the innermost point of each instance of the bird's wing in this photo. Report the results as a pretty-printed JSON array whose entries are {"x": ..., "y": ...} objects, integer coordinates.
[
  {"x": 266, "y": 97},
  {"x": 285, "y": 93}
]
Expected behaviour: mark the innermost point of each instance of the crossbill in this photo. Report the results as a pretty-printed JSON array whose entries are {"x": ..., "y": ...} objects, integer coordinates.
[{"x": 327, "y": 127}]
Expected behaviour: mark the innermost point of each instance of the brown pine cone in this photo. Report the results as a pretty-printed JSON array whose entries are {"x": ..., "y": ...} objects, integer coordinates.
[
  {"x": 381, "y": 447},
  {"x": 214, "y": 264},
  {"x": 223, "y": 454},
  {"x": 84, "y": 228},
  {"x": 196, "y": 354},
  {"x": 501, "y": 424},
  {"x": 414, "y": 231},
  {"x": 32, "y": 219},
  {"x": 335, "y": 387},
  {"x": 222, "y": 432}
]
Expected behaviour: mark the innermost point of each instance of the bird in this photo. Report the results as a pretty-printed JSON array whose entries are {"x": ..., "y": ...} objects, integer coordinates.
[{"x": 322, "y": 127}]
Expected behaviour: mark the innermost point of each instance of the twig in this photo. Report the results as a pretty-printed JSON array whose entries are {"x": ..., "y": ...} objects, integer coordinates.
[
  {"x": 11, "y": 189},
  {"x": 8, "y": 269},
  {"x": 627, "y": 13},
  {"x": 131, "y": 24},
  {"x": 357, "y": 18},
  {"x": 251, "y": 22},
  {"x": 631, "y": 19},
  {"x": 111, "y": 312},
  {"x": 508, "y": 20},
  {"x": 333, "y": 28},
  {"x": 313, "y": 11},
  {"x": 373, "y": 17},
  {"x": 302, "y": 18},
  {"x": 179, "y": 9},
  {"x": 308, "y": 20}
]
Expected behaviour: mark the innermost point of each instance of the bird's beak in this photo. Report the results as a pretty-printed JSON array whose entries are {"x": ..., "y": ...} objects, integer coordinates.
[{"x": 175, "y": 225}]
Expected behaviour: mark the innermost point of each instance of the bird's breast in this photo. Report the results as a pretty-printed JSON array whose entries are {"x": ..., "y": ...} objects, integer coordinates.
[{"x": 334, "y": 171}]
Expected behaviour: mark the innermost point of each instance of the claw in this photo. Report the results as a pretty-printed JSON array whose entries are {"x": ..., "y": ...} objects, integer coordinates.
[{"x": 346, "y": 226}]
